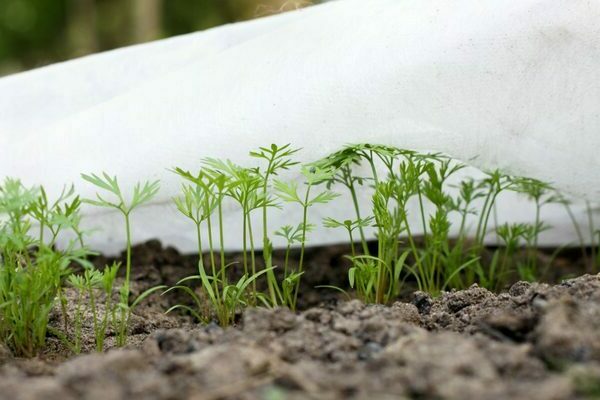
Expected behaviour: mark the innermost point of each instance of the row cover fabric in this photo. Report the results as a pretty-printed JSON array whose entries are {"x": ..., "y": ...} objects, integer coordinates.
[{"x": 506, "y": 84}]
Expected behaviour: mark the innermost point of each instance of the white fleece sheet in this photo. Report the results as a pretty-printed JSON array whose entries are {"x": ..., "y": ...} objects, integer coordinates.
[{"x": 502, "y": 84}]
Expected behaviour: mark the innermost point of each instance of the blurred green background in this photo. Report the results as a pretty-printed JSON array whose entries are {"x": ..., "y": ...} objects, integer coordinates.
[{"x": 34, "y": 33}]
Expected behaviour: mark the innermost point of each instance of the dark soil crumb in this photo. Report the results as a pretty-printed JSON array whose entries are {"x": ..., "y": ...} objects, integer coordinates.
[{"x": 534, "y": 341}]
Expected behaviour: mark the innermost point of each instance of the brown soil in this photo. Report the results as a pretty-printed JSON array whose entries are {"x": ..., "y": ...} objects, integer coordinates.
[{"x": 533, "y": 341}]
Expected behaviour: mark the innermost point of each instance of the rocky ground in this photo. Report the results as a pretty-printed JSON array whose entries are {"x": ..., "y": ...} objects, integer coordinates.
[{"x": 534, "y": 341}]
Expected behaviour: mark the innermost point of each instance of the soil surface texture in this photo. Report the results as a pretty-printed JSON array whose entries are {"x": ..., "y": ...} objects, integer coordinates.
[{"x": 532, "y": 341}]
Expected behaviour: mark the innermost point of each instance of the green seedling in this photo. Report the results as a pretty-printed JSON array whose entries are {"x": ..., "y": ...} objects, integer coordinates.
[
  {"x": 288, "y": 192},
  {"x": 293, "y": 236},
  {"x": 278, "y": 158},
  {"x": 578, "y": 231},
  {"x": 203, "y": 195},
  {"x": 84, "y": 284},
  {"x": 32, "y": 272},
  {"x": 350, "y": 226},
  {"x": 226, "y": 302},
  {"x": 77, "y": 282},
  {"x": 491, "y": 187},
  {"x": 107, "y": 283},
  {"x": 593, "y": 259},
  {"x": 422, "y": 179},
  {"x": 246, "y": 191},
  {"x": 469, "y": 253},
  {"x": 541, "y": 194},
  {"x": 27, "y": 294},
  {"x": 342, "y": 162},
  {"x": 594, "y": 236},
  {"x": 198, "y": 202},
  {"x": 511, "y": 236},
  {"x": 58, "y": 215},
  {"x": 344, "y": 176},
  {"x": 389, "y": 208},
  {"x": 459, "y": 252},
  {"x": 88, "y": 286},
  {"x": 142, "y": 193}
]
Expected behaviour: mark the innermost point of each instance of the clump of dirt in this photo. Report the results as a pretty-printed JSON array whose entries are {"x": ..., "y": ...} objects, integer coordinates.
[{"x": 534, "y": 341}]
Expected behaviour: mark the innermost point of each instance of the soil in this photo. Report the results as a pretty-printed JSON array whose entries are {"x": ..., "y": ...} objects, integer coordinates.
[{"x": 532, "y": 341}]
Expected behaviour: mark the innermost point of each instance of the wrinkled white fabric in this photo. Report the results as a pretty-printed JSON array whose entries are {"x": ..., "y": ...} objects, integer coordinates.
[{"x": 505, "y": 84}]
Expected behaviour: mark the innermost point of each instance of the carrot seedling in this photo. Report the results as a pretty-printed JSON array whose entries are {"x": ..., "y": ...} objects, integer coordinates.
[{"x": 142, "y": 193}]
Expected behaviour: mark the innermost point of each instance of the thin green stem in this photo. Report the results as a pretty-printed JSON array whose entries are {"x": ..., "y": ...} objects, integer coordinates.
[
  {"x": 422, "y": 213},
  {"x": 107, "y": 312},
  {"x": 478, "y": 233},
  {"x": 373, "y": 169},
  {"x": 42, "y": 227},
  {"x": 363, "y": 239},
  {"x": 63, "y": 308},
  {"x": 94, "y": 312},
  {"x": 286, "y": 262},
  {"x": 533, "y": 250},
  {"x": 380, "y": 281},
  {"x": 271, "y": 281},
  {"x": 252, "y": 257},
  {"x": 487, "y": 217},
  {"x": 128, "y": 259},
  {"x": 463, "y": 220},
  {"x": 78, "y": 324},
  {"x": 305, "y": 206},
  {"x": 593, "y": 247},
  {"x": 200, "y": 251},
  {"x": 413, "y": 247},
  {"x": 352, "y": 243},
  {"x": 221, "y": 240},
  {"x": 211, "y": 250},
  {"x": 577, "y": 228},
  {"x": 245, "y": 242}
]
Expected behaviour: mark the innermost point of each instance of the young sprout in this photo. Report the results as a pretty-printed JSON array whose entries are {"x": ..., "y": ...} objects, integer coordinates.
[
  {"x": 342, "y": 162},
  {"x": 288, "y": 192},
  {"x": 292, "y": 236},
  {"x": 246, "y": 191},
  {"x": 350, "y": 226},
  {"x": 495, "y": 183},
  {"x": 278, "y": 158},
  {"x": 58, "y": 215},
  {"x": 15, "y": 203},
  {"x": 437, "y": 244},
  {"x": 142, "y": 193},
  {"x": 469, "y": 192},
  {"x": 77, "y": 282},
  {"x": 389, "y": 209},
  {"x": 107, "y": 282},
  {"x": 199, "y": 201},
  {"x": 541, "y": 194},
  {"x": 576, "y": 226},
  {"x": 32, "y": 273},
  {"x": 85, "y": 285},
  {"x": 511, "y": 236},
  {"x": 594, "y": 234}
]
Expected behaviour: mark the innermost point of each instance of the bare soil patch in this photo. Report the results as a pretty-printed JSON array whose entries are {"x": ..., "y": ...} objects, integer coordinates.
[{"x": 532, "y": 341}]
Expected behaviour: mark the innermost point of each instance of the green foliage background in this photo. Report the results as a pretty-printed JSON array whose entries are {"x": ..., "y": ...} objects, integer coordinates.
[{"x": 34, "y": 33}]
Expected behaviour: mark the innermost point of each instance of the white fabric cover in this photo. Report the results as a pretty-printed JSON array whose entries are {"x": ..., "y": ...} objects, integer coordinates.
[{"x": 507, "y": 84}]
